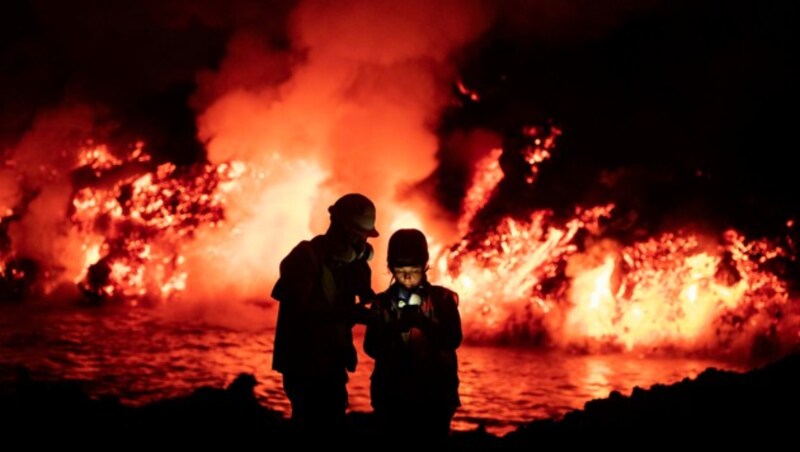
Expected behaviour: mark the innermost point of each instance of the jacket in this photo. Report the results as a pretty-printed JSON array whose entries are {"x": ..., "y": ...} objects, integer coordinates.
[
  {"x": 415, "y": 365},
  {"x": 316, "y": 296}
]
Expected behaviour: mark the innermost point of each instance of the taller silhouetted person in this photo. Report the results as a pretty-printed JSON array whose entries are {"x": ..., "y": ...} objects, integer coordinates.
[{"x": 317, "y": 289}]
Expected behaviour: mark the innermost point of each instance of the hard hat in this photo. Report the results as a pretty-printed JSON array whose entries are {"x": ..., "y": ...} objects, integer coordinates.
[
  {"x": 407, "y": 247},
  {"x": 356, "y": 212}
]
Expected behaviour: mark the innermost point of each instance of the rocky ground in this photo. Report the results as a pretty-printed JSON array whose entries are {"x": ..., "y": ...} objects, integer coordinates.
[{"x": 717, "y": 409}]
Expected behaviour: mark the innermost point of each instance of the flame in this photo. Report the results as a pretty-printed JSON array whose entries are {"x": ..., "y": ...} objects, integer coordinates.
[
  {"x": 678, "y": 291},
  {"x": 471, "y": 94},
  {"x": 675, "y": 293},
  {"x": 534, "y": 281},
  {"x": 541, "y": 148},
  {"x": 504, "y": 275},
  {"x": 151, "y": 233},
  {"x": 487, "y": 175},
  {"x": 539, "y": 142},
  {"x": 135, "y": 229},
  {"x": 287, "y": 133}
]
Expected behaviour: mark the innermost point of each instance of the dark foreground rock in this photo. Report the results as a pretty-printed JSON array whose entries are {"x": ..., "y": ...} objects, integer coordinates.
[{"x": 717, "y": 408}]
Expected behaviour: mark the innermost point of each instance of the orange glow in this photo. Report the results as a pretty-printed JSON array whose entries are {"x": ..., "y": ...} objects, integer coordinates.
[
  {"x": 500, "y": 278},
  {"x": 541, "y": 148},
  {"x": 98, "y": 158},
  {"x": 285, "y": 136},
  {"x": 532, "y": 281},
  {"x": 134, "y": 231},
  {"x": 527, "y": 278},
  {"x": 487, "y": 175},
  {"x": 406, "y": 219},
  {"x": 148, "y": 233},
  {"x": 674, "y": 292},
  {"x": 473, "y": 95}
]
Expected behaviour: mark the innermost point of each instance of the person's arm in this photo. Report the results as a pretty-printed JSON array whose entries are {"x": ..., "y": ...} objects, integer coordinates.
[
  {"x": 445, "y": 331},
  {"x": 374, "y": 337},
  {"x": 380, "y": 333},
  {"x": 360, "y": 276}
]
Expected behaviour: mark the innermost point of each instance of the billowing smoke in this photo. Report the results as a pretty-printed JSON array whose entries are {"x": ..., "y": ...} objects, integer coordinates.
[
  {"x": 351, "y": 106},
  {"x": 314, "y": 98}
]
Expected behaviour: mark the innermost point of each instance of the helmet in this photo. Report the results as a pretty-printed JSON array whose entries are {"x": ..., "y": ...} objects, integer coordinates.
[
  {"x": 356, "y": 212},
  {"x": 407, "y": 247}
]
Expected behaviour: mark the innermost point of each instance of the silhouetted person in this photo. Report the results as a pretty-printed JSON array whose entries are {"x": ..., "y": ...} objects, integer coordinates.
[
  {"x": 319, "y": 281},
  {"x": 413, "y": 334}
]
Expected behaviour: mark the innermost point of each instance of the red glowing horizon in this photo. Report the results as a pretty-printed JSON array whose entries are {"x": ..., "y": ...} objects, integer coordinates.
[{"x": 145, "y": 233}]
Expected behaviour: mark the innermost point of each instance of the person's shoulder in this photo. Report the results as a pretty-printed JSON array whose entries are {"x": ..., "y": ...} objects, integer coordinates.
[
  {"x": 441, "y": 289},
  {"x": 443, "y": 293},
  {"x": 315, "y": 244},
  {"x": 303, "y": 252},
  {"x": 303, "y": 247}
]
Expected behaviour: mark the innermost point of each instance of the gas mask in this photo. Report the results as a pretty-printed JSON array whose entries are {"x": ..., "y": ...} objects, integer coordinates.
[
  {"x": 352, "y": 252},
  {"x": 348, "y": 246},
  {"x": 408, "y": 299}
]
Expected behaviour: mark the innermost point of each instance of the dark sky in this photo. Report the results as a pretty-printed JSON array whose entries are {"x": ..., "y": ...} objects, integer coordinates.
[
  {"x": 135, "y": 62},
  {"x": 676, "y": 110},
  {"x": 683, "y": 112}
]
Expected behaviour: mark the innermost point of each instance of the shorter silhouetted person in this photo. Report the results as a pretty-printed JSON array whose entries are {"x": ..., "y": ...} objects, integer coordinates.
[
  {"x": 413, "y": 334},
  {"x": 319, "y": 281}
]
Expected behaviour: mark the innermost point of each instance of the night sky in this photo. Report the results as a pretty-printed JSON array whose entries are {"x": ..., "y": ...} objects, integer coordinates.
[{"x": 682, "y": 112}]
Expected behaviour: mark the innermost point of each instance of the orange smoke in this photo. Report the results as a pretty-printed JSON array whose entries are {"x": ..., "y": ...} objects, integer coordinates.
[
  {"x": 351, "y": 105},
  {"x": 353, "y": 111}
]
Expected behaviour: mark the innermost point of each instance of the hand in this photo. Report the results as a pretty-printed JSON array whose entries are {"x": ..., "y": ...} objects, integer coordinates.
[
  {"x": 366, "y": 296},
  {"x": 412, "y": 316},
  {"x": 360, "y": 314},
  {"x": 403, "y": 324}
]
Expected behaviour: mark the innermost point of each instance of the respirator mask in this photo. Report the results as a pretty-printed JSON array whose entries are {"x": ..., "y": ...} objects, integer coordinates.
[{"x": 408, "y": 299}]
